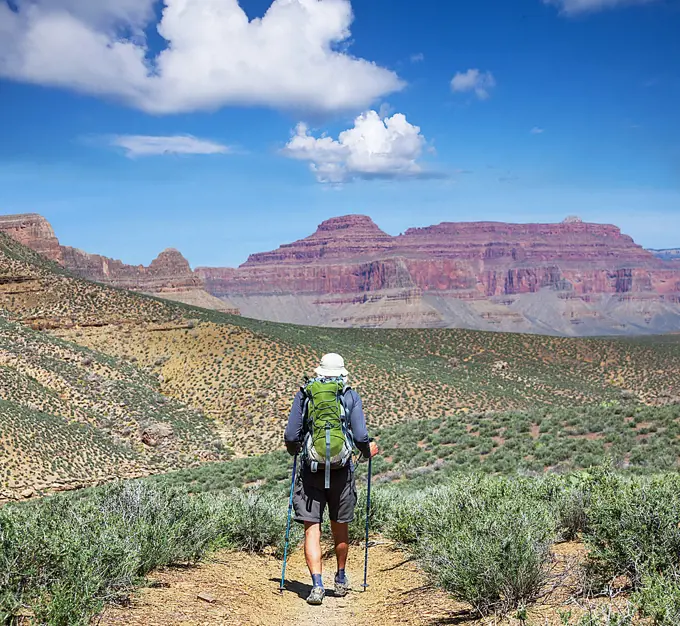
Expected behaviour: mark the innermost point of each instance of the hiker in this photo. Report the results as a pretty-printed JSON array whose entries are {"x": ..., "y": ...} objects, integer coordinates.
[{"x": 326, "y": 422}]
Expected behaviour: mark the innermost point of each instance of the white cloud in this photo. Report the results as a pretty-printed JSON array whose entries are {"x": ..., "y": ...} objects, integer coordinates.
[
  {"x": 145, "y": 145},
  {"x": 214, "y": 56},
  {"x": 537, "y": 130},
  {"x": 374, "y": 147},
  {"x": 573, "y": 7},
  {"x": 417, "y": 58},
  {"x": 481, "y": 83}
]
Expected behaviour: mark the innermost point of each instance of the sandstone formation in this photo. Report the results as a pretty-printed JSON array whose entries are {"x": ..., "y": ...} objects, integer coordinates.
[
  {"x": 34, "y": 231},
  {"x": 571, "y": 278},
  {"x": 567, "y": 278},
  {"x": 168, "y": 276}
]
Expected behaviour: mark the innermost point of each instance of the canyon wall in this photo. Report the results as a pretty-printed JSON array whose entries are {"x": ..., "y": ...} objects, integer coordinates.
[
  {"x": 566, "y": 278},
  {"x": 168, "y": 276},
  {"x": 570, "y": 278}
]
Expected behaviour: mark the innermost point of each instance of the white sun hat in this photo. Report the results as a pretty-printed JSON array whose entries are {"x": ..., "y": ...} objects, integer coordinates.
[{"x": 332, "y": 366}]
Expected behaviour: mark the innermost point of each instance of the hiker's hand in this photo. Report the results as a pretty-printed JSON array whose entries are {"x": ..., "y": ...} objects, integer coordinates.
[{"x": 374, "y": 448}]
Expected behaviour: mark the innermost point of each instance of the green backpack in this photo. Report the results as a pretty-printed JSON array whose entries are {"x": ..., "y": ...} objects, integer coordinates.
[{"x": 328, "y": 442}]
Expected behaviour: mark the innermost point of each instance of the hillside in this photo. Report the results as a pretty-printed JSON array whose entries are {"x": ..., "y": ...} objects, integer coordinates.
[
  {"x": 42, "y": 293},
  {"x": 245, "y": 372},
  {"x": 70, "y": 416},
  {"x": 168, "y": 275},
  {"x": 223, "y": 381}
]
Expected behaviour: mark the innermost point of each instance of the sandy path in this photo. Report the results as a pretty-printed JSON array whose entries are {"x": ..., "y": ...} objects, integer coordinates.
[
  {"x": 245, "y": 589},
  {"x": 245, "y": 592}
]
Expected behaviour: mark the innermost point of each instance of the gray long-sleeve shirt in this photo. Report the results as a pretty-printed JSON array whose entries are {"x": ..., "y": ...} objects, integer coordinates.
[{"x": 295, "y": 429}]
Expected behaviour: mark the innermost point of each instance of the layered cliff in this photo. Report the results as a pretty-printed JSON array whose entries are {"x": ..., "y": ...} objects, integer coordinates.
[
  {"x": 569, "y": 278},
  {"x": 34, "y": 231},
  {"x": 168, "y": 276}
]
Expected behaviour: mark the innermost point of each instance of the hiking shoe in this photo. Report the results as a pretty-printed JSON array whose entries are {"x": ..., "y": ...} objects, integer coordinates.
[
  {"x": 316, "y": 596},
  {"x": 342, "y": 587}
]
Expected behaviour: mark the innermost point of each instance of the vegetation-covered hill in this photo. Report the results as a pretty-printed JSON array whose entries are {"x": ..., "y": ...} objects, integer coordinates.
[
  {"x": 71, "y": 415},
  {"x": 43, "y": 294},
  {"x": 245, "y": 372},
  {"x": 158, "y": 384}
]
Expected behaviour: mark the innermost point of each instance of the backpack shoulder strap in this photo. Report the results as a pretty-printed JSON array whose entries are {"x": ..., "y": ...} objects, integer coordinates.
[
  {"x": 305, "y": 409},
  {"x": 347, "y": 400}
]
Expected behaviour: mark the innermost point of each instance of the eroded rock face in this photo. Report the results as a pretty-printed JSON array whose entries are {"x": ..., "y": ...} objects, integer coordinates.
[
  {"x": 351, "y": 254},
  {"x": 34, "y": 231},
  {"x": 169, "y": 275},
  {"x": 168, "y": 272},
  {"x": 477, "y": 274}
]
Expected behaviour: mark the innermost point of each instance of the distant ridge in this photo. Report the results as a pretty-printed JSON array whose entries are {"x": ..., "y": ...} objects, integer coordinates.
[
  {"x": 169, "y": 275},
  {"x": 669, "y": 254},
  {"x": 567, "y": 278}
]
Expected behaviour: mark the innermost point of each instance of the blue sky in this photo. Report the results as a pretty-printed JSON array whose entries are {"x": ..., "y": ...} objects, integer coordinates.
[{"x": 247, "y": 135}]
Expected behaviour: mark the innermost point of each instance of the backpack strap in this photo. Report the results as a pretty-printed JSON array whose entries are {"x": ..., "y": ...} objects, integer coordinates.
[{"x": 305, "y": 409}]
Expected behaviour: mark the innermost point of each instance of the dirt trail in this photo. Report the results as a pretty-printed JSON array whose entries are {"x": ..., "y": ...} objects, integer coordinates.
[
  {"x": 245, "y": 592},
  {"x": 245, "y": 589}
]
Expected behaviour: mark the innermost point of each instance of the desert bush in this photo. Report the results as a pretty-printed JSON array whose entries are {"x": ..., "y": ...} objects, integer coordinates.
[
  {"x": 65, "y": 556},
  {"x": 659, "y": 598},
  {"x": 633, "y": 528},
  {"x": 487, "y": 542},
  {"x": 249, "y": 521},
  {"x": 572, "y": 510},
  {"x": 604, "y": 616}
]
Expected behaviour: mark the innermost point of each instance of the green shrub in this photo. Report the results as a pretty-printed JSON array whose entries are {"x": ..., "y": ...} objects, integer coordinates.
[
  {"x": 65, "y": 556},
  {"x": 659, "y": 598},
  {"x": 489, "y": 545},
  {"x": 249, "y": 521},
  {"x": 633, "y": 528},
  {"x": 605, "y": 616}
]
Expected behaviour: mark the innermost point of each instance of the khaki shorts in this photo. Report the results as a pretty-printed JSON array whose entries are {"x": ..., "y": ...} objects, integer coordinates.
[{"x": 310, "y": 498}]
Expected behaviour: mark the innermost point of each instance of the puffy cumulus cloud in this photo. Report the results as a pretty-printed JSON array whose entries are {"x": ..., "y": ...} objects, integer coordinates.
[
  {"x": 374, "y": 147},
  {"x": 574, "y": 7},
  {"x": 146, "y": 145},
  {"x": 481, "y": 83},
  {"x": 214, "y": 55}
]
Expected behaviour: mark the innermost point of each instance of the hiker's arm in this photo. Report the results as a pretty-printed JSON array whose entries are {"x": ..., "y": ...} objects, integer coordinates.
[
  {"x": 295, "y": 427},
  {"x": 358, "y": 424}
]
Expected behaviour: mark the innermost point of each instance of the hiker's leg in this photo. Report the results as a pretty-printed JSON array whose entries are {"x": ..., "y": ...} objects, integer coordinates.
[
  {"x": 341, "y": 539},
  {"x": 313, "y": 547}
]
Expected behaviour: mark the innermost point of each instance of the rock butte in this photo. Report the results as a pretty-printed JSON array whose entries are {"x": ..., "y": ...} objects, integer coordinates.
[
  {"x": 169, "y": 275},
  {"x": 572, "y": 278}
]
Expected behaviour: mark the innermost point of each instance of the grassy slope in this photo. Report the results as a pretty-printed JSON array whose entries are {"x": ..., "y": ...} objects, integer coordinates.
[
  {"x": 633, "y": 436},
  {"x": 69, "y": 414},
  {"x": 72, "y": 414}
]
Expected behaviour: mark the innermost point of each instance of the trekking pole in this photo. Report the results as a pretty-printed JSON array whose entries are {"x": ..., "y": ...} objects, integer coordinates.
[
  {"x": 290, "y": 511},
  {"x": 368, "y": 512}
]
